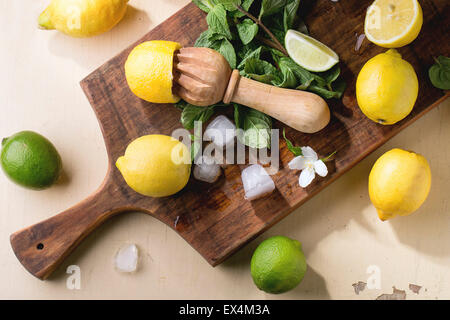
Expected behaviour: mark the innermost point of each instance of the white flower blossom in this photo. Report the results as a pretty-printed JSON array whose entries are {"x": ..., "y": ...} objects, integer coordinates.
[{"x": 310, "y": 164}]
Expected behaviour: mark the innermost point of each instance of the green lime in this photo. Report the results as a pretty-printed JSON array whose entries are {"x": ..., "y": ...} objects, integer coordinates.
[
  {"x": 278, "y": 264},
  {"x": 30, "y": 160}
]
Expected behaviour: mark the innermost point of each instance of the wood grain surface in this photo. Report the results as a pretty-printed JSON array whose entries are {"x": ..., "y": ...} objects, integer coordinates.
[{"x": 216, "y": 220}]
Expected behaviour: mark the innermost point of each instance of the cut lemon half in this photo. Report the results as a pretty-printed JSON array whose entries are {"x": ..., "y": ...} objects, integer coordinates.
[
  {"x": 393, "y": 23},
  {"x": 149, "y": 71},
  {"x": 309, "y": 53}
]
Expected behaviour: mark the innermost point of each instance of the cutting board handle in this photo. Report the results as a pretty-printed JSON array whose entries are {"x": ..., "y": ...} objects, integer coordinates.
[{"x": 42, "y": 247}]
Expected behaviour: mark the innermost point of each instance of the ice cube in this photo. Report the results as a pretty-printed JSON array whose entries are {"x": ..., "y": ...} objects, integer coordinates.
[
  {"x": 257, "y": 182},
  {"x": 221, "y": 131},
  {"x": 126, "y": 259},
  {"x": 207, "y": 169}
]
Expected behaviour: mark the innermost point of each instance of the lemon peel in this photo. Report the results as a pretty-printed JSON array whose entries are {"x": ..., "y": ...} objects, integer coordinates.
[
  {"x": 393, "y": 23},
  {"x": 387, "y": 88},
  {"x": 399, "y": 183},
  {"x": 155, "y": 165},
  {"x": 149, "y": 71},
  {"x": 82, "y": 18}
]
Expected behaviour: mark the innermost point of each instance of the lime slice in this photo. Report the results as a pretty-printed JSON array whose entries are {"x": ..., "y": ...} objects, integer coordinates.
[{"x": 309, "y": 53}]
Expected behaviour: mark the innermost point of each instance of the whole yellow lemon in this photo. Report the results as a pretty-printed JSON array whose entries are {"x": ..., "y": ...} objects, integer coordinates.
[
  {"x": 155, "y": 165},
  {"x": 387, "y": 88},
  {"x": 399, "y": 183},
  {"x": 149, "y": 71},
  {"x": 82, "y": 18}
]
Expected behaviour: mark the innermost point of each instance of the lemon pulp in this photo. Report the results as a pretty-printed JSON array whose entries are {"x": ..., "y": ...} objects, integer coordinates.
[
  {"x": 309, "y": 53},
  {"x": 393, "y": 23}
]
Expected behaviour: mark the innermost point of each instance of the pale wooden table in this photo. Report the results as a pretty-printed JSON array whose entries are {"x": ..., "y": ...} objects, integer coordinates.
[{"x": 339, "y": 229}]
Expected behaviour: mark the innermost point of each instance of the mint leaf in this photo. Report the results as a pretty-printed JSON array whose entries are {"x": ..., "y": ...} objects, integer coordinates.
[
  {"x": 296, "y": 151},
  {"x": 260, "y": 70},
  {"x": 230, "y": 5},
  {"x": 205, "y": 5},
  {"x": 331, "y": 75},
  {"x": 256, "y": 127},
  {"x": 269, "y": 7},
  {"x": 248, "y": 53},
  {"x": 218, "y": 42},
  {"x": 217, "y": 21},
  {"x": 325, "y": 84},
  {"x": 246, "y": 4},
  {"x": 304, "y": 86},
  {"x": 192, "y": 113},
  {"x": 439, "y": 73},
  {"x": 275, "y": 24},
  {"x": 227, "y": 50},
  {"x": 290, "y": 12},
  {"x": 208, "y": 39},
  {"x": 289, "y": 80},
  {"x": 303, "y": 75},
  {"x": 247, "y": 31},
  {"x": 335, "y": 92}
]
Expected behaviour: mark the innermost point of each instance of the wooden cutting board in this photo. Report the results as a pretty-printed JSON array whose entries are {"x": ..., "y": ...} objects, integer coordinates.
[{"x": 215, "y": 219}]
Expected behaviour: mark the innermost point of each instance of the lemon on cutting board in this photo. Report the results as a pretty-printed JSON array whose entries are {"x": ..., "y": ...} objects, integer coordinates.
[
  {"x": 387, "y": 88},
  {"x": 155, "y": 165},
  {"x": 82, "y": 18},
  {"x": 309, "y": 53},
  {"x": 149, "y": 71},
  {"x": 399, "y": 183},
  {"x": 393, "y": 23}
]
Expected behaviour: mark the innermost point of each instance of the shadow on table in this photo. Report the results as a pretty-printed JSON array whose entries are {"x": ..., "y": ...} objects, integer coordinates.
[
  {"x": 85, "y": 51},
  {"x": 313, "y": 286},
  {"x": 426, "y": 230}
]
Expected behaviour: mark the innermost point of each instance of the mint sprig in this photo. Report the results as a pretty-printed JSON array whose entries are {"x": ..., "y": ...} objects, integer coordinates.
[{"x": 250, "y": 35}]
